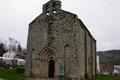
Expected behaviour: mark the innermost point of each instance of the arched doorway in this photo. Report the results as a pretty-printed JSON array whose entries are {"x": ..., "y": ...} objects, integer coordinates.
[
  {"x": 51, "y": 70},
  {"x": 49, "y": 55}
]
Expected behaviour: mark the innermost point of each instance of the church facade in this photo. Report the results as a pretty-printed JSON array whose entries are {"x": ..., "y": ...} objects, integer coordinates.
[{"x": 59, "y": 46}]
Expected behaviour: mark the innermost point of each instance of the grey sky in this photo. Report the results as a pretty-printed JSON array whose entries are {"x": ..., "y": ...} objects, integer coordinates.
[{"x": 100, "y": 16}]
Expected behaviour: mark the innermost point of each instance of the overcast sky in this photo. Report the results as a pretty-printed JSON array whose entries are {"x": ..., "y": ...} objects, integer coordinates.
[{"x": 102, "y": 18}]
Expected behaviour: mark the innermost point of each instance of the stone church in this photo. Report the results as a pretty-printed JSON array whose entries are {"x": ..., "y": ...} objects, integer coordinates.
[{"x": 59, "y": 47}]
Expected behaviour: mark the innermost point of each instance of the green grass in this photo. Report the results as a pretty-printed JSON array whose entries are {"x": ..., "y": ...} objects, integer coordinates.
[
  {"x": 10, "y": 75},
  {"x": 105, "y": 77}
]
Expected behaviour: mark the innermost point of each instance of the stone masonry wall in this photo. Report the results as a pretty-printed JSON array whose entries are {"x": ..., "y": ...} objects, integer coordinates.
[{"x": 63, "y": 36}]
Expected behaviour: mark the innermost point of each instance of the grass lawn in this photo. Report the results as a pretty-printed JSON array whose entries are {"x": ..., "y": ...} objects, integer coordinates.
[
  {"x": 10, "y": 75},
  {"x": 106, "y": 77}
]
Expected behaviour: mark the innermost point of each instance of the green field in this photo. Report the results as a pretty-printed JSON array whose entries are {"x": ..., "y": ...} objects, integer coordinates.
[
  {"x": 105, "y": 77},
  {"x": 10, "y": 75}
]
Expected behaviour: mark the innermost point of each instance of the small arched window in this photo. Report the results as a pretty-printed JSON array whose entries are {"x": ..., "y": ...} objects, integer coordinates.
[{"x": 67, "y": 49}]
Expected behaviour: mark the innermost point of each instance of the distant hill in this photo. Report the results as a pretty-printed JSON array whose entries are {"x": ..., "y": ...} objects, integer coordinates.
[{"x": 109, "y": 57}]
